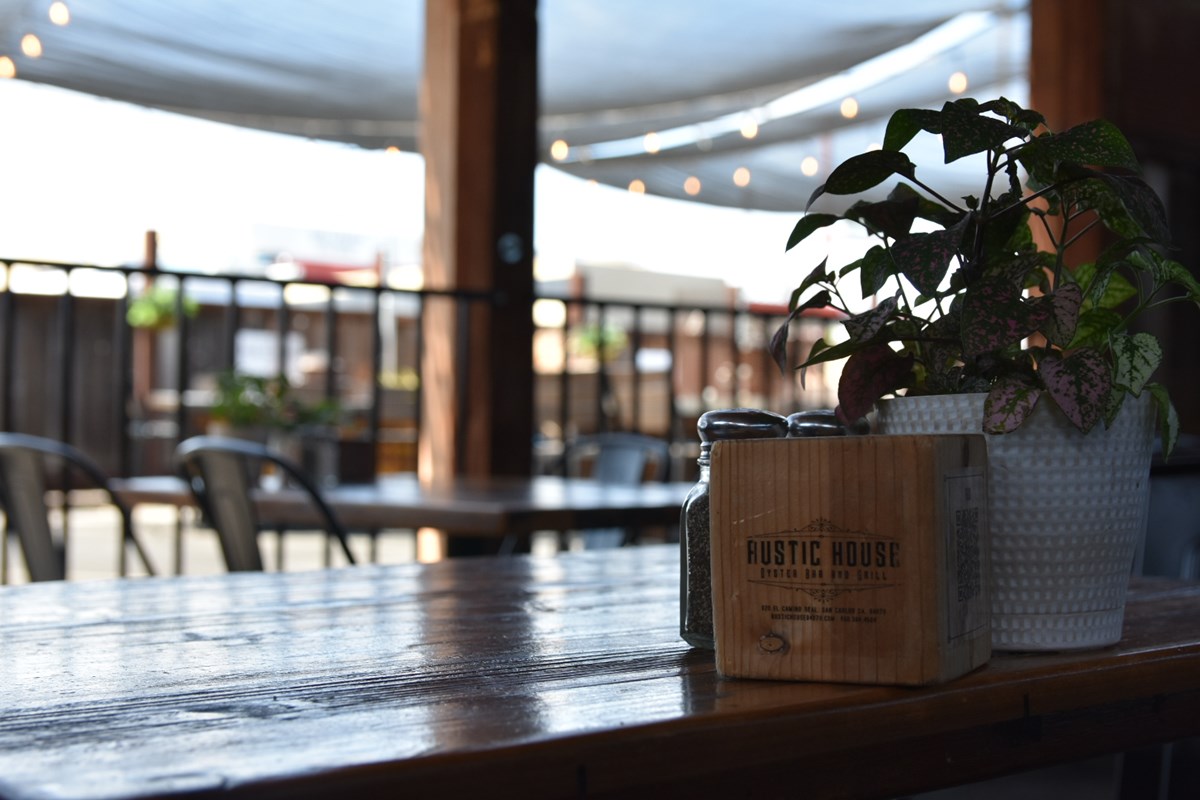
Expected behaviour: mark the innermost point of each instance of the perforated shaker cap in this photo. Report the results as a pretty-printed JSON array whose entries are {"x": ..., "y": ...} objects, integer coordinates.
[
  {"x": 740, "y": 423},
  {"x": 822, "y": 422}
]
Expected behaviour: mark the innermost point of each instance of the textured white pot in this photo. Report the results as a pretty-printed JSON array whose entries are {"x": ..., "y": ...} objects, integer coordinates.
[{"x": 1066, "y": 511}]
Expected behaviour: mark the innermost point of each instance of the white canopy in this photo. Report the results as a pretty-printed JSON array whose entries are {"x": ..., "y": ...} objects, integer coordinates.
[{"x": 693, "y": 71}]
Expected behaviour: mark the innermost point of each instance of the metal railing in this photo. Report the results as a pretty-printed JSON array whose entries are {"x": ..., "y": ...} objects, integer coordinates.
[{"x": 73, "y": 368}]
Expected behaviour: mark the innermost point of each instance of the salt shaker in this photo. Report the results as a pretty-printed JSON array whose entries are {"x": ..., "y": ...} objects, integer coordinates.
[
  {"x": 695, "y": 584},
  {"x": 822, "y": 422}
]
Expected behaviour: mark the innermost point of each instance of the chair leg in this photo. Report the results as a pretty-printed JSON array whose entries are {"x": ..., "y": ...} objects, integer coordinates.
[{"x": 1146, "y": 773}]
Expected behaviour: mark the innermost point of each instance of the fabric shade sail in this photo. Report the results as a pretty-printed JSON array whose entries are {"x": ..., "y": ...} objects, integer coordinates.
[{"x": 699, "y": 74}]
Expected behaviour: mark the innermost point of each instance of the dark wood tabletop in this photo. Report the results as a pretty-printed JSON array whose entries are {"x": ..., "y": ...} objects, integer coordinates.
[
  {"x": 518, "y": 677},
  {"x": 490, "y": 506}
]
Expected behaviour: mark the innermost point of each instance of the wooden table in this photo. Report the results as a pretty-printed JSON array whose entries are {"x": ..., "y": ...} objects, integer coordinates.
[
  {"x": 493, "y": 506},
  {"x": 518, "y": 677}
]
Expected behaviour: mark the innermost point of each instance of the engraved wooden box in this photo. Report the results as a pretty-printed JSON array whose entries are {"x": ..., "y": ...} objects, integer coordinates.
[{"x": 859, "y": 559}]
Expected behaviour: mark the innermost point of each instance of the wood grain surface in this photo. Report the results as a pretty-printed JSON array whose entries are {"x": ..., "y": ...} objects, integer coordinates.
[{"x": 521, "y": 677}]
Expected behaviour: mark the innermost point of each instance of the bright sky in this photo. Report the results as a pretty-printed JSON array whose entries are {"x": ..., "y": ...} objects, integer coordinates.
[{"x": 83, "y": 178}]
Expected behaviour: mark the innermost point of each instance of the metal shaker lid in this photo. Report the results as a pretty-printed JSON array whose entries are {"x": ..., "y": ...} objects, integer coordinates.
[{"x": 741, "y": 423}]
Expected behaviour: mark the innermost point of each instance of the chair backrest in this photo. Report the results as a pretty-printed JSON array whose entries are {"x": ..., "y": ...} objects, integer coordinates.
[
  {"x": 221, "y": 472},
  {"x": 623, "y": 458},
  {"x": 23, "y": 494},
  {"x": 1172, "y": 545}
]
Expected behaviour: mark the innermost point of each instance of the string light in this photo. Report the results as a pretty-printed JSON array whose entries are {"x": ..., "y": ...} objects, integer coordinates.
[
  {"x": 741, "y": 177},
  {"x": 31, "y": 46},
  {"x": 749, "y": 128},
  {"x": 59, "y": 13},
  {"x": 7, "y": 68},
  {"x": 809, "y": 166},
  {"x": 637, "y": 187},
  {"x": 849, "y": 108},
  {"x": 651, "y": 142},
  {"x": 958, "y": 82},
  {"x": 692, "y": 185},
  {"x": 559, "y": 150}
]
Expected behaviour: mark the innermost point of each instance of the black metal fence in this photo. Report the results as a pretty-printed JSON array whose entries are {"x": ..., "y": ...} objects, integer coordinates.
[{"x": 75, "y": 369}]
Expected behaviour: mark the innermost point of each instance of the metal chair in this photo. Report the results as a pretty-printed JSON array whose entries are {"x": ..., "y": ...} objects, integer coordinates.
[
  {"x": 221, "y": 472},
  {"x": 620, "y": 458},
  {"x": 23, "y": 468}
]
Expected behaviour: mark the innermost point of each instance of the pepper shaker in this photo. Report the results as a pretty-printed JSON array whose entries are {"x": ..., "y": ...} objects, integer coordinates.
[{"x": 695, "y": 584}]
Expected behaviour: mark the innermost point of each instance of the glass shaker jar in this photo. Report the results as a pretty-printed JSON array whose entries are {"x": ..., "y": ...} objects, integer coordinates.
[{"x": 695, "y": 584}]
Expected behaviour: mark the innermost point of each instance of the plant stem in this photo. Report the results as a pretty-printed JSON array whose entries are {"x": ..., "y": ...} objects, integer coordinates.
[
  {"x": 1049, "y": 231},
  {"x": 938, "y": 196},
  {"x": 1060, "y": 249},
  {"x": 1076, "y": 237}
]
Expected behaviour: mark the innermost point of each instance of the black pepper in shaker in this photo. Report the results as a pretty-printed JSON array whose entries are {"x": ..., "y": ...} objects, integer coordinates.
[{"x": 695, "y": 584}]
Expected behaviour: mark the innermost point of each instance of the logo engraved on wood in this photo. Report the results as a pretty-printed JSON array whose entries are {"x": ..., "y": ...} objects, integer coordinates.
[{"x": 823, "y": 559}]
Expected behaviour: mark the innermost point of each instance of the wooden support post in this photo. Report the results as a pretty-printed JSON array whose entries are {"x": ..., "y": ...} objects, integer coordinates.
[
  {"x": 479, "y": 139},
  {"x": 1066, "y": 82}
]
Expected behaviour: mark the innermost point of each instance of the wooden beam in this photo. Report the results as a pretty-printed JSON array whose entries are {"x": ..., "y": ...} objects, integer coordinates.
[
  {"x": 1066, "y": 82},
  {"x": 479, "y": 139}
]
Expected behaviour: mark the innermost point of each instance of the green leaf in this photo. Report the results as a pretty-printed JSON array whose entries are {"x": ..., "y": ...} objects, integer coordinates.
[
  {"x": 1098, "y": 143},
  {"x": 819, "y": 274},
  {"x": 818, "y": 346},
  {"x": 926, "y": 208},
  {"x": 822, "y": 352},
  {"x": 778, "y": 344},
  {"x": 965, "y": 133},
  {"x": 1024, "y": 118},
  {"x": 924, "y": 258},
  {"x": 876, "y": 267},
  {"x": 906, "y": 123},
  {"x": 1165, "y": 271},
  {"x": 893, "y": 218},
  {"x": 869, "y": 374},
  {"x": 1008, "y": 404},
  {"x": 1116, "y": 400},
  {"x": 808, "y": 224},
  {"x": 1168, "y": 419},
  {"x": 1079, "y": 383},
  {"x": 866, "y": 171},
  {"x": 1137, "y": 357},
  {"x": 1104, "y": 286},
  {"x": 1135, "y": 202},
  {"x": 1095, "y": 326},
  {"x": 820, "y": 190}
]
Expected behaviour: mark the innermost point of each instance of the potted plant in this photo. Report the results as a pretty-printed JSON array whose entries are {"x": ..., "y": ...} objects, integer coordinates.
[
  {"x": 267, "y": 409},
  {"x": 980, "y": 330}
]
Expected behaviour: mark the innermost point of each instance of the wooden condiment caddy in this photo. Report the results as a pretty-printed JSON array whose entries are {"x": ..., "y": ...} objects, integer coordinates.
[{"x": 859, "y": 559}]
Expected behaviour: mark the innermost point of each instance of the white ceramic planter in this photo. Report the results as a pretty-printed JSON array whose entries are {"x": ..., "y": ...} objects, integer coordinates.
[{"x": 1067, "y": 512}]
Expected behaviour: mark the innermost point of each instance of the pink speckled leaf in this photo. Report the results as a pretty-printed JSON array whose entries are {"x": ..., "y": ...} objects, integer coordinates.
[
  {"x": 1058, "y": 313},
  {"x": 925, "y": 257},
  {"x": 1009, "y": 402},
  {"x": 1079, "y": 384},
  {"x": 994, "y": 316},
  {"x": 868, "y": 375},
  {"x": 862, "y": 327}
]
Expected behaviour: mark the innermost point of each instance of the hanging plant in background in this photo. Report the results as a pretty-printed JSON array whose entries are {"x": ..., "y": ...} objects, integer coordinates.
[{"x": 157, "y": 308}]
